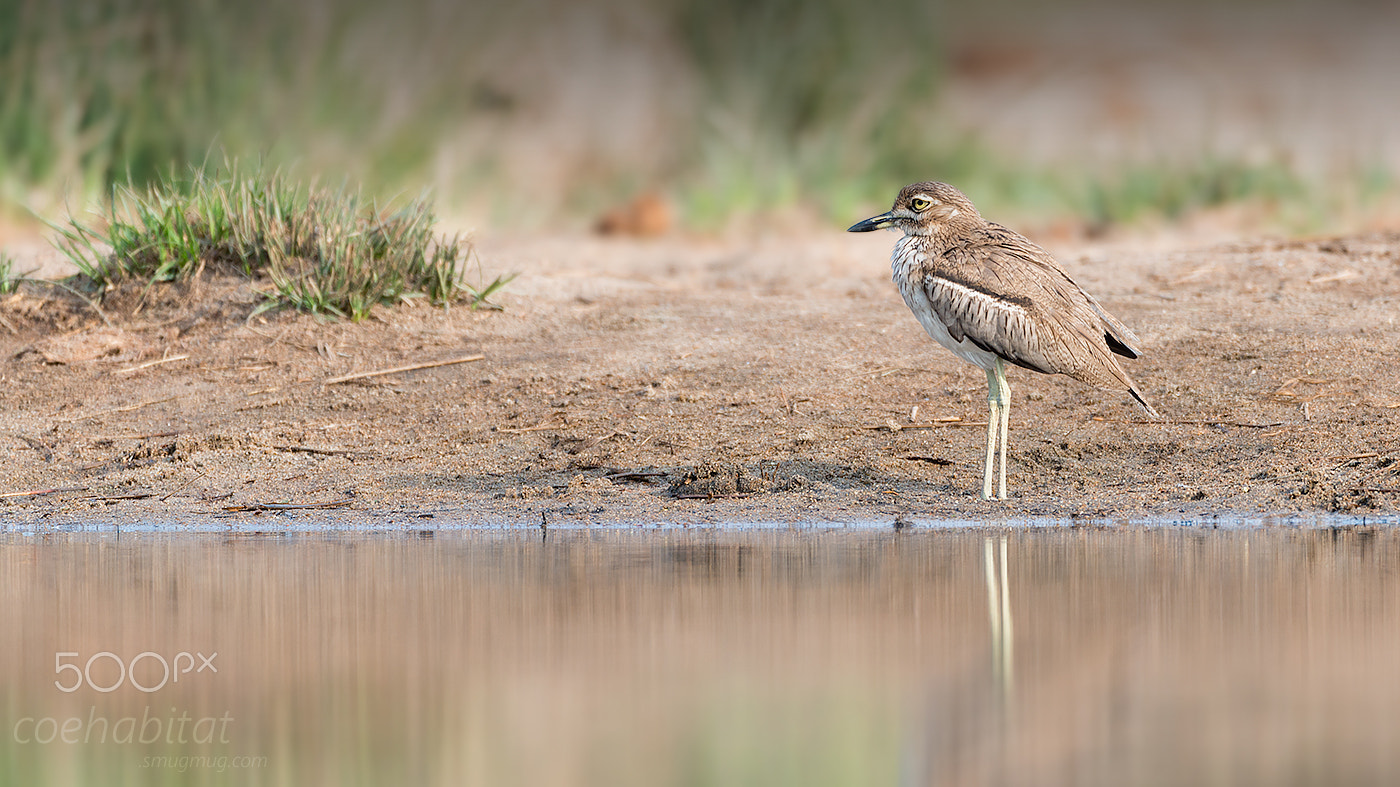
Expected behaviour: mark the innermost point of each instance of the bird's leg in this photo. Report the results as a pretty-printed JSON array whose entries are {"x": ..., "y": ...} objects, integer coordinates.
[
  {"x": 993, "y": 420},
  {"x": 1004, "y": 405}
]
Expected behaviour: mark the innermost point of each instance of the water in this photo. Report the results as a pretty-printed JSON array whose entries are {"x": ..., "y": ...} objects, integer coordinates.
[{"x": 1083, "y": 656}]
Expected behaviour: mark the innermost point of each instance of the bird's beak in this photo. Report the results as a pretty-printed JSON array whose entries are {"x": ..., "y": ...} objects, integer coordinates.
[{"x": 880, "y": 222}]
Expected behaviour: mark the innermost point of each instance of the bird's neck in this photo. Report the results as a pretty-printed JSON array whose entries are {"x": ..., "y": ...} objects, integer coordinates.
[{"x": 940, "y": 238}]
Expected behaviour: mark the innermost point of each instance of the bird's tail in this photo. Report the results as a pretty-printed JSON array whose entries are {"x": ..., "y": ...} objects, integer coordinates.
[
  {"x": 1151, "y": 413},
  {"x": 1110, "y": 376}
]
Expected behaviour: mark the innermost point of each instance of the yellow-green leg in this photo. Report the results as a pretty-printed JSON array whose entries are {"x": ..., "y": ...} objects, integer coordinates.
[
  {"x": 1005, "y": 422},
  {"x": 999, "y": 416}
]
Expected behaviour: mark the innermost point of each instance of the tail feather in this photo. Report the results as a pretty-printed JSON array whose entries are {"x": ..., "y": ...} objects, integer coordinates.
[{"x": 1151, "y": 413}]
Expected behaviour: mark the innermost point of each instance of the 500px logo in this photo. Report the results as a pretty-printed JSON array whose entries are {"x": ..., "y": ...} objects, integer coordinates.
[{"x": 170, "y": 671}]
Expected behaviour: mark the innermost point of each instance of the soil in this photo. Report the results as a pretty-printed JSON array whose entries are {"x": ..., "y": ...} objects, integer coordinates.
[{"x": 696, "y": 380}]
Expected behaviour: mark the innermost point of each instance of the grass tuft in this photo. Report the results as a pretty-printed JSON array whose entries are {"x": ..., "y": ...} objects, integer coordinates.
[
  {"x": 9, "y": 282},
  {"x": 325, "y": 251}
]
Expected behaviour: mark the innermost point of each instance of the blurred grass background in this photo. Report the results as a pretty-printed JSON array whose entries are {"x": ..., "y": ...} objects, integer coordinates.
[{"x": 544, "y": 113}]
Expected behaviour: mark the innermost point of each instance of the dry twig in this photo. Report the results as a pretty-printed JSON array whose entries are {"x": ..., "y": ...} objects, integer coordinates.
[
  {"x": 883, "y": 371},
  {"x": 951, "y": 420},
  {"x": 168, "y": 495},
  {"x": 42, "y": 492},
  {"x": 304, "y": 449},
  {"x": 290, "y": 506},
  {"x": 149, "y": 364},
  {"x": 1185, "y": 422},
  {"x": 411, "y": 367},
  {"x": 107, "y": 438},
  {"x": 126, "y": 409}
]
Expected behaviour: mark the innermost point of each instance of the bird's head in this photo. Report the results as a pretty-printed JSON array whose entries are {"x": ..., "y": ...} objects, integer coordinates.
[{"x": 927, "y": 208}]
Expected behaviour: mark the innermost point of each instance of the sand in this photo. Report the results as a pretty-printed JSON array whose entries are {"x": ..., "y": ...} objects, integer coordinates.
[{"x": 688, "y": 380}]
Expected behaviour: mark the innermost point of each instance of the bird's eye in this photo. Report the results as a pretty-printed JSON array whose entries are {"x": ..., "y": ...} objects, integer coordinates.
[{"x": 919, "y": 203}]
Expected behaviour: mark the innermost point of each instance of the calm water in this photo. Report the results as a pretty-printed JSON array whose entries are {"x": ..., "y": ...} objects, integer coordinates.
[{"x": 762, "y": 657}]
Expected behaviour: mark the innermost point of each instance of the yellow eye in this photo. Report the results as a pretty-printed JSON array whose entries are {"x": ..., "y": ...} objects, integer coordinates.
[{"x": 919, "y": 203}]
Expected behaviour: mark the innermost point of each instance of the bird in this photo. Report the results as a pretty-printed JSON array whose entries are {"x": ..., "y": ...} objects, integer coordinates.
[{"x": 994, "y": 298}]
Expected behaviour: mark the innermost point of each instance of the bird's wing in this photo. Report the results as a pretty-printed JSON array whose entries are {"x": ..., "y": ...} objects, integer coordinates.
[{"x": 1009, "y": 297}]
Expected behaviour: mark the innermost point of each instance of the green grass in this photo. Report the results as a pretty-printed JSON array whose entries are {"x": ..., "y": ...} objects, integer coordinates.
[
  {"x": 321, "y": 250},
  {"x": 98, "y": 94},
  {"x": 9, "y": 281},
  {"x": 1174, "y": 192},
  {"x": 807, "y": 101},
  {"x": 823, "y": 104}
]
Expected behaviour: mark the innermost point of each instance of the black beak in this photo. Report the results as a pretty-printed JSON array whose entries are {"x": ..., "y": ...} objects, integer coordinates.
[{"x": 880, "y": 222}]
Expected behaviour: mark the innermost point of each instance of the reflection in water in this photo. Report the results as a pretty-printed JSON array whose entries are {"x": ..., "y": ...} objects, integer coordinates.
[
  {"x": 1142, "y": 656},
  {"x": 999, "y": 610}
]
